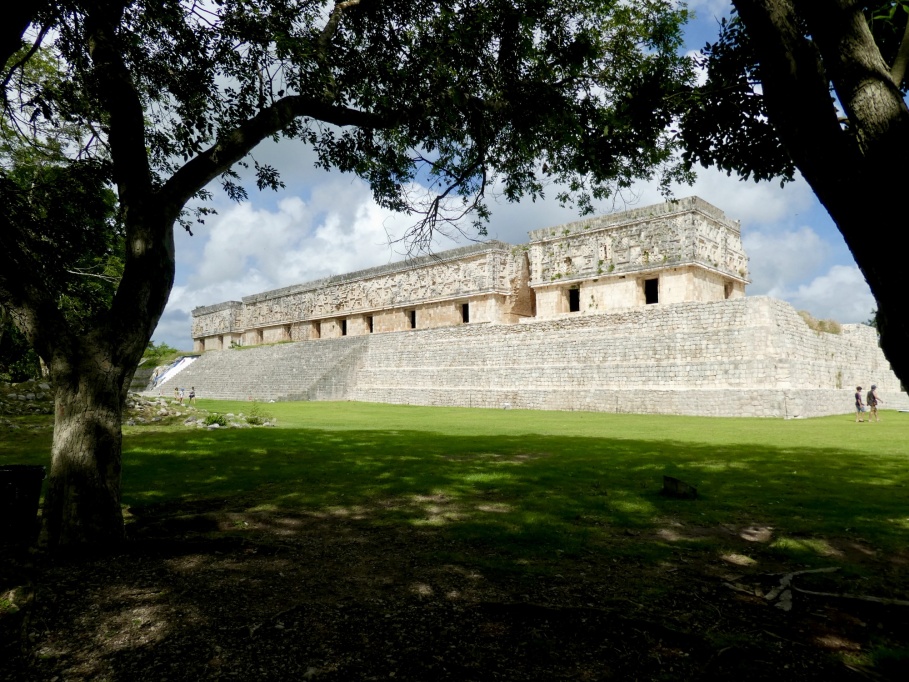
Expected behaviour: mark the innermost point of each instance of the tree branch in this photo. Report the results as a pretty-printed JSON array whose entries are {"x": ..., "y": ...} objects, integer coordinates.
[
  {"x": 17, "y": 17},
  {"x": 331, "y": 27},
  {"x": 237, "y": 143},
  {"x": 898, "y": 70},
  {"x": 148, "y": 267},
  {"x": 120, "y": 98},
  {"x": 28, "y": 55},
  {"x": 796, "y": 89},
  {"x": 86, "y": 273},
  {"x": 854, "y": 64}
]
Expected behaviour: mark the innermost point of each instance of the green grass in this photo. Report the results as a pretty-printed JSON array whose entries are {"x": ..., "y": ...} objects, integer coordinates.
[{"x": 533, "y": 483}]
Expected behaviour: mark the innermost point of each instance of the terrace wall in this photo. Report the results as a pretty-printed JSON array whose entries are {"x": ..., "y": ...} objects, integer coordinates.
[{"x": 743, "y": 357}]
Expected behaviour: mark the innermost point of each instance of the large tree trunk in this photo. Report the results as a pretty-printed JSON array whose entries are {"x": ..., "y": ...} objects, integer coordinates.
[
  {"x": 869, "y": 216},
  {"x": 853, "y": 164},
  {"x": 83, "y": 500}
]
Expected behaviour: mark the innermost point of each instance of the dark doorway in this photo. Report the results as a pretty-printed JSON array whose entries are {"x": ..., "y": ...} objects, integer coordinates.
[
  {"x": 465, "y": 313},
  {"x": 652, "y": 290},
  {"x": 574, "y": 300}
]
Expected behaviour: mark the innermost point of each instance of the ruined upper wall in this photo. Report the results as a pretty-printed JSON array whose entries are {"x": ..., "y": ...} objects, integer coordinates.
[
  {"x": 490, "y": 268},
  {"x": 684, "y": 232},
  {"x": 689, "y": 241},
  {"x": 221, "y": 318}
]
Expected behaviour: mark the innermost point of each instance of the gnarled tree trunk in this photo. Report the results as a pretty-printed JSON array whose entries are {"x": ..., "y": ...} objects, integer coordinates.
[
  {"x": 83, "y": 497},
  {"x": 852, "y": 163}
]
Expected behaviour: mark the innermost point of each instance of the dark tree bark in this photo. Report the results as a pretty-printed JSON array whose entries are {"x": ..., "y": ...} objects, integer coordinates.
[{"x": 852, "y": 166}]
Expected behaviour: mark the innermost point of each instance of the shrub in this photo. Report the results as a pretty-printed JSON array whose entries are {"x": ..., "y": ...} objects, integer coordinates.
[
  {"x": 215, "y": 418},
  {"x": 826, "y": 326},
  {"x": 257, "y": 416}
]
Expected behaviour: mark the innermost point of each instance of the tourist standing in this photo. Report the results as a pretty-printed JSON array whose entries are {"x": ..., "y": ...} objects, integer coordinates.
[
  {"x": 859, "y": 405},
  {"x": 873, "y": 399},
  {"x": 192, "y": 395}
]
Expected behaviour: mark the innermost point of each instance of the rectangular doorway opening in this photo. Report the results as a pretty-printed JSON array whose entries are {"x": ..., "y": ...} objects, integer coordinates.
[
  {"x": 574, "y": 300},
  {"x": 652, "y": 290},
  {"x": 465, "y": 313}
]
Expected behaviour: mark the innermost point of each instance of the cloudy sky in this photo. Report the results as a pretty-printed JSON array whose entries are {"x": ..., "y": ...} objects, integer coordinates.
[{"x": 326, "y": 223}]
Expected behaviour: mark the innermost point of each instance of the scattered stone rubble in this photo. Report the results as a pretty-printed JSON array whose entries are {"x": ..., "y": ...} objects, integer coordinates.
[
  {"x": 36, "y": 398},
  {"x": 26, "y": 397},
  {"x": 141, "y": 410}
]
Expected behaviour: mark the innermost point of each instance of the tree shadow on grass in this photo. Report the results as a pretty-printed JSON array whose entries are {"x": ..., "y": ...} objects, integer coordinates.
[
  {"x": 302, "y": 554},
  {"x": 272, "y": 595},
  {"x": 536, "y": 493}
]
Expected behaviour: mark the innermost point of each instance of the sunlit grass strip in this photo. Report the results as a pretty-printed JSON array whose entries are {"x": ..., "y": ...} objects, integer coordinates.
[{"x": 540, "y": 481}]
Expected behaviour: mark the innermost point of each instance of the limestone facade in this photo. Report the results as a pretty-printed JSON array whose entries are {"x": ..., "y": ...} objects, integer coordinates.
[
  {"x": 752, "y": 356},
  {"x": 675, "y": 252},
  {"x": 485, "y": 282},
  {"x": 643, "y": 311}
]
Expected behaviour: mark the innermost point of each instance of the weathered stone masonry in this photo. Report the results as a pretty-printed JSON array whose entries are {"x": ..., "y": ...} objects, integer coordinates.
[
  {"x": 669, "y": 253},
  {"x": 658, "y": 323},
  {"x": 479, "y": 283}
]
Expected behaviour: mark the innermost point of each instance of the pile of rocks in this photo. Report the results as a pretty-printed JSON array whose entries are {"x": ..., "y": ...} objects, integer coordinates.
[
  {"x": 34, "y": 397},
  {"x": 26, "y": 397},
  {"x": 143, "y": 410}
]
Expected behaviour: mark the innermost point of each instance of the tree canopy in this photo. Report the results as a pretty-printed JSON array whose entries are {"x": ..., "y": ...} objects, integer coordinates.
[
  {"x": 819, "y": 87},
  {"x": 159, "y": 99}
]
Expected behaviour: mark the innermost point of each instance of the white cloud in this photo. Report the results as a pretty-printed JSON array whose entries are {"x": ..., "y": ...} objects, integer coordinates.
[
  {"x": 841, "y": 294},
  {"x": 710, "y": 8},
  {"x": 246, "y": 250},
  {"x": 781, "y": 260},
  {"x": 338, "y": 230}
]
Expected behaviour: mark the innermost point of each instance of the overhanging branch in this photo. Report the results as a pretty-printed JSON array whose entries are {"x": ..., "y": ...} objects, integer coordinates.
[
  {"x": 898, "y": 70},
  {"x": 237, "y": 143}
]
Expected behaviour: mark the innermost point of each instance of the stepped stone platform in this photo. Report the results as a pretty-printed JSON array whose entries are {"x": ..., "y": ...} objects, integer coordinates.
[{"x": 752, "y": 356}]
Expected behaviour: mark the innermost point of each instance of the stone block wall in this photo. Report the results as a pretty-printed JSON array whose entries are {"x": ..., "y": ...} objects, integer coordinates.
[
  {"x": 692, "y": 249},
  {"x": 743, "y": 357},
  {"x": 491, "y": 277},
  {"x": 317, "y": 370}
]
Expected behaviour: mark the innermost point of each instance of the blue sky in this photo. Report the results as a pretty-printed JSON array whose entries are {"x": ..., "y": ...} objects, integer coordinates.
[{"x": 326, "y": 223}]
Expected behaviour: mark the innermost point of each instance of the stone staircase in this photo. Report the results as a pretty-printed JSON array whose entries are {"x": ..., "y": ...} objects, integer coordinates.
[{"x": 308, "y": 370}]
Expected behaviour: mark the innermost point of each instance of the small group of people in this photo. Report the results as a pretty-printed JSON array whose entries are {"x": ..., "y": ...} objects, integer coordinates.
[
  {"x": 870, "y": 403},
  {"x": 180, "y": 394}
]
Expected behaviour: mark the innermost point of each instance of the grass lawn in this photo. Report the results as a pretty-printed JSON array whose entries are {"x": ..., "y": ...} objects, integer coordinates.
[
  {"x": 350, "y": 511},
  {"x": 537, "y": 481},
  {"x": 541, "y": 481}
]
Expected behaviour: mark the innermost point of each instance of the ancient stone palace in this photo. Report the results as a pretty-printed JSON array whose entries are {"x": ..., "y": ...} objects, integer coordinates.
[
  {"x": 676, "y": 252},
  {"x": 640, "y": 311}
]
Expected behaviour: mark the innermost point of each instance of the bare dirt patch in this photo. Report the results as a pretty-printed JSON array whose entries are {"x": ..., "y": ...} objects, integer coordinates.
[{"x": 216, "y": 593}]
